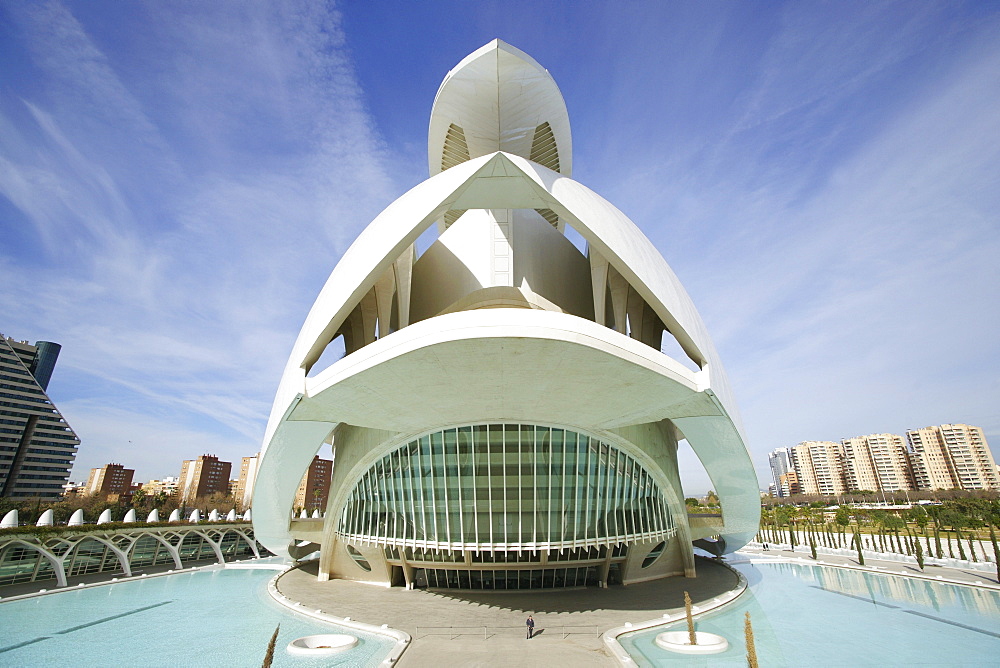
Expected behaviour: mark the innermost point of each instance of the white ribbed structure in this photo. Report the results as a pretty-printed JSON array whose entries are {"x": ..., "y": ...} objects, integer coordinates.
[{"x": 504, "y": 324}]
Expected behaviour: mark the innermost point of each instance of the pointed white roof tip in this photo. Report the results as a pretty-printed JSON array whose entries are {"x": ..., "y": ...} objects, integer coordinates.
[
  {"x": 497, "y": 44},
  {"x": 46, "y": 519},
  {"x": 154, "y": 516},
  {"x": 498, "y": 98},
  {"x": 175, "y": 515},
  {"x": 130, "y": 516},
  {"x": 105, "y": 516},
  {"x": 76, "y": 519},
  {"x": 9, "y": 520}
]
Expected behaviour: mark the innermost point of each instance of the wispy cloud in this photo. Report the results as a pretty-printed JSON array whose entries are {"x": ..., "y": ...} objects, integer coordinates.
[
  {"x": 177, "y": 181},
  {"x": 833, "y": 213},
  {"x": 171, "y": 218}
]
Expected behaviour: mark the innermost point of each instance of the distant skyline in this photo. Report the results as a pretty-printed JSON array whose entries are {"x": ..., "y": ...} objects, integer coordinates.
[{"x": 824, "y": 180}]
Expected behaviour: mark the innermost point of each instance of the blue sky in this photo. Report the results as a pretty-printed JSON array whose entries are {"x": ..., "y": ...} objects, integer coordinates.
[{"x": 824, "y": 178}]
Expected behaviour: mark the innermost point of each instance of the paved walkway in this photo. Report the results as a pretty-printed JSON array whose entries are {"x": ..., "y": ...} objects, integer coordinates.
[{"x": 487, "y": 628}]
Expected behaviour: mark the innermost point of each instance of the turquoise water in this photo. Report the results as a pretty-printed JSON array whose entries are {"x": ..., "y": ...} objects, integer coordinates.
[
  {"x": 199, "y": 618},
  {"x": 816, "y": 616}
]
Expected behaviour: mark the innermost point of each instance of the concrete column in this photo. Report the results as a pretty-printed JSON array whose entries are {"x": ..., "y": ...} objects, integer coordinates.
[
  {"x": 403, "y": 274},
  {"x": 599, "y": 281},
  {"x": 619, "y": 298},
  {"x": 385, "y": 289},
  {"x": 369, "y": 316}
]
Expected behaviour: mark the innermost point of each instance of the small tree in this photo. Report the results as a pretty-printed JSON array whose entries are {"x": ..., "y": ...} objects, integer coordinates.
[
  {"x": 690, "y": 619},
  {"x": 972, "y": 547},
  {"x": 812, "y": 546},
  {"x": 996, "y": 551},
  {"x": 920, "y": 556},
  {"x": 269, "y": 657},
  {"x": 857, "y": 542},
  {"x": 751, "y": 648}
]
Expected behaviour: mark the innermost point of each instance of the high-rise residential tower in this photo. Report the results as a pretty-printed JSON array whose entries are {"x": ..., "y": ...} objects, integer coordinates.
[
  {"x": 780, "y": 461},
  {"x": 877, "y": 462},
  {"x": 314, "y": 490},
  {"x": 819, "y": 466},
  {"x": 244, "y": 484},
  {"x": 203, "y": 476},
  {"x": 952, "y": 456},
  {"x": 110, "y": 479},
  {"x": 37, "y": 446}
]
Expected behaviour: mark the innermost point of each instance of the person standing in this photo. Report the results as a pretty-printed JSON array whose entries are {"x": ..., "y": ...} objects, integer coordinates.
[{"x": 530, "y": 623}]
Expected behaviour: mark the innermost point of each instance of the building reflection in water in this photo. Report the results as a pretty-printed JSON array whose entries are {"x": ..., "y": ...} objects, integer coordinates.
[{"x": 895, "y": 589}]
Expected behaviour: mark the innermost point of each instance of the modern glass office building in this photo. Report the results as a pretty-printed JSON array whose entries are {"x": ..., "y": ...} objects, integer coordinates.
[
  {"x": 504, "y": 409},
  {"x": 37, "y": 446}
]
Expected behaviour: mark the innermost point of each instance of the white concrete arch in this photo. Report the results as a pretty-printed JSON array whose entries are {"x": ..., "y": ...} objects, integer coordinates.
[
  {"x": 250, "y": 541},
  {"x": 215, "y": 544},
  {"x": 173, "y": 551},
  {"x": 54, "y": 561},
  {"x": 123, "y": 560}
]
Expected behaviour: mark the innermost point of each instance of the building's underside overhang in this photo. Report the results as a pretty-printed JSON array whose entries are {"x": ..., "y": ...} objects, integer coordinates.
[{"x": 510, "y": 365}]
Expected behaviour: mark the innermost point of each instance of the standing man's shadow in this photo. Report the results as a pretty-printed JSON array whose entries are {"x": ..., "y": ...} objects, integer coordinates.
[{"x": 537, "y": 633}]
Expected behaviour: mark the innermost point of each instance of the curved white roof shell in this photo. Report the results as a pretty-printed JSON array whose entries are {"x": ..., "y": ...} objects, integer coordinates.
[{"x": 498, "y": 96}]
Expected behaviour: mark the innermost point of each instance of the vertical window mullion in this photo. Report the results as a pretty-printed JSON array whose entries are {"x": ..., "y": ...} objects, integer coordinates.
[
  {"x": 586, "y": 490},
  {"x": 383, "y": 501},
  {"x": 444, "y": 478},
  {"x": 433, "y": 475},
  {"x": 369, "y": 528},
  {"x": 489, "y": 479},
  {"x": 562, "y": 490},
  {"x": 503, "y": 467},
  {"x": 520, "y": 505},
  {"x": 548, "y": 500},
  {"x": 534, "y": 476},
  {"x": 475, "y": 486},
  {"x": 609, "y": 511},
  {"x": 392, "y": 494}
]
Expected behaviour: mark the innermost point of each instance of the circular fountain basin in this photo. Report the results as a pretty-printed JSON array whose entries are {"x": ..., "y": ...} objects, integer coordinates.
[
  {"x": 680, "y": 642},
  {"x": 322, "y": 644}
]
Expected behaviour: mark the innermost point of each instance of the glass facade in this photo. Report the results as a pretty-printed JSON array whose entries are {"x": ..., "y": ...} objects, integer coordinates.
[{"x": 502, "y": 487}]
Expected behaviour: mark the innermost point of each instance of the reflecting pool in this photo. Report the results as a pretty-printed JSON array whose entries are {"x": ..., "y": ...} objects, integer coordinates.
[
  {"x": 219, "y": 617},
  {"x": 821, "y": 616}
]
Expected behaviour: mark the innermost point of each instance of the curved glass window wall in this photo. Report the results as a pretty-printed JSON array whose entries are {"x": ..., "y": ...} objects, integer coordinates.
[{"x": 505, "y": 486}]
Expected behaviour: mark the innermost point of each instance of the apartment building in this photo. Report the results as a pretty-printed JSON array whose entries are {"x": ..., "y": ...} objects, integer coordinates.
[
  {"x": 37, "y": 447},
  {"x": 315, "y": 486},
  {"x": 109, "y": 479},
  {"x": 244, "y": 484},
  {"x": 952, "y": 456},
  {"x": 203, "y": 476},
  {"x": 819, "y": 467},
  {"x": 877, "y": 462}
]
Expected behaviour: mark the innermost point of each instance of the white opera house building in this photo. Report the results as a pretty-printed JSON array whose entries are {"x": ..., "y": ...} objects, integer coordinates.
[{"x": 502, "y": 416}]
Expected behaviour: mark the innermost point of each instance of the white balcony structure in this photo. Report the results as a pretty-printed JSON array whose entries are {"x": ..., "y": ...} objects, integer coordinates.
[{"x": 502, "y": 416}]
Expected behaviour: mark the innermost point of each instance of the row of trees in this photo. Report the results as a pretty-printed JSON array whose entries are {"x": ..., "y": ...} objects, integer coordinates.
[
  {"x": 944, "y": 530},
  {"x": 854, "y": 497},
  {"x": 29, "y": 510}
]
